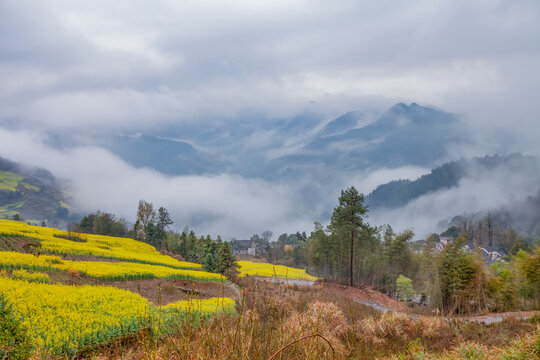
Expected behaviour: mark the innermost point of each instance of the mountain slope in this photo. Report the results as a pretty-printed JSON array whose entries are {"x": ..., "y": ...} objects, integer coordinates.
[
  {"x": 341, "y": 124},
  {"x": 403, "y": 135},
  {"x": 398, "y": 193},
  {"x": 171, "y": 157},
  {"x": 281, "y": 149},
  {"x": 30, "y": 193}
]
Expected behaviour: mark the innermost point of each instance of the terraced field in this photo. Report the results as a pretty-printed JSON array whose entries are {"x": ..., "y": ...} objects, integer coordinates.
[
  {"x": 112, "y": 271},
  {"x": 64, "y": 319},
  {"x": 273, "y": 271},
  {"x": 54, "y": 241}
]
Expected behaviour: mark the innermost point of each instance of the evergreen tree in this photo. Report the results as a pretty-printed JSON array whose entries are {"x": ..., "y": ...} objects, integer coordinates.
[
  {"x": 348, "y": 215},
  {"x": 152, "y": 235},
  {"x": 225, "y": 260}
]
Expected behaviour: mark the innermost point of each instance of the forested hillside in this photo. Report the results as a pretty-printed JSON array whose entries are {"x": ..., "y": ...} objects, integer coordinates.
[{"x": 399, "y": 192}]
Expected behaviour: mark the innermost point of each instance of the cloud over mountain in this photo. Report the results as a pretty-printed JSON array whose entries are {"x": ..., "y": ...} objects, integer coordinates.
[{"x": 253, "y": 84}]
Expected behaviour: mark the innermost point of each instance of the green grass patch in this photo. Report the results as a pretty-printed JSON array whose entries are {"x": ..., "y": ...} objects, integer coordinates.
[
  {"x": 7, "y": 214},
  {"x": 9, "y": 181},
  {"x": 29, "y": 186},
  {"x": 64, "y": 205}
]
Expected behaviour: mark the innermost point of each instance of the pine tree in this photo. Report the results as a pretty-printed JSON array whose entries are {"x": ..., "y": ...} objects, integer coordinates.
[
  {"x": 348, "y": 215},
  {"x": 225, "y": 262}
]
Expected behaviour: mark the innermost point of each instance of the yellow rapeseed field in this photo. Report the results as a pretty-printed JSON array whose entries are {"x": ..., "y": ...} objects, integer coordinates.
[
  {"x": 30, "y": 276},
  {"x": 64, "y": 318},
  {"x": 275, "y": 271},
  {"x": 113, "y": 271},
  {"x": 212, "y": 305},
  {"x": 132, "y": 271},
  {"x": 126, "y": 249},
  {"x": 13, "y": 260}
]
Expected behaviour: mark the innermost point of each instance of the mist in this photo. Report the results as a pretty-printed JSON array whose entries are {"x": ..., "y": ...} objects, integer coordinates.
[
  {"x": 479, "y": 191},
  {"x": 75, "y": 73}
]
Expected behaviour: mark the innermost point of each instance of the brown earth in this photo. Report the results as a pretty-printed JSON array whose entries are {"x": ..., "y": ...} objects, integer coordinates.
[
  {"x": 368, "y": 294},
  {"x": 168, "y": 291},
  {"x": 171, "y": 290},
  {"x": 21, "y": 244}
]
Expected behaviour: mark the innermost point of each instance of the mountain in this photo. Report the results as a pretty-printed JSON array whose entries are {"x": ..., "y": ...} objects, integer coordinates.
[
  {"x": 299, "y": 125},
  {"x": 523, "y": 215},
  {"x": 403, "y": 135},
  {"x": 280, "y": 149},
  {"x": 31, "y": 194},
  {"x": 341, "y": 124},
  {"x": 398, "y": 193},
  {"x": 169, "y": 156}
]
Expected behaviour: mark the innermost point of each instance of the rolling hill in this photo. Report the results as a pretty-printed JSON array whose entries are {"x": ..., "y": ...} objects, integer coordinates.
[{"x": 32, "y": 194}]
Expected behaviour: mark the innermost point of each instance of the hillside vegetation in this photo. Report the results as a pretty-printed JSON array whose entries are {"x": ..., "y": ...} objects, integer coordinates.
[
  {"x": 397, "y": 193},
  {"x": 30, "y": 194}
]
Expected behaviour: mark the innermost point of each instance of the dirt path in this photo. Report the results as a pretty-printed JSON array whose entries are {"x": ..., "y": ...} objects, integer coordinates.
[
  {"x": 384, "y": 304},
  {"x": 369, "y": 297},
  {"x": 497, "y": 317}
]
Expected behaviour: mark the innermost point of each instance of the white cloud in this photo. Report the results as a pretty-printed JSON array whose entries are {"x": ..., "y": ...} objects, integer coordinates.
[
  {"x": 479, "y": 191},
  {"x": 367, "y": 181},
  {"x": 88, "y": 68},
  {"x": 194, "y": 59},
  {"x": 225, "y": 204}
]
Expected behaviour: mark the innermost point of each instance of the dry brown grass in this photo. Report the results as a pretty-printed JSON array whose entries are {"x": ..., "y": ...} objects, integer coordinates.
[{"x": 273, "y": 316}]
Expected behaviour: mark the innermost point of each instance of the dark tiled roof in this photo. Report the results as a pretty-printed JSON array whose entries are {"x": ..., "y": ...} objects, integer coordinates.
[{"x": 243, "y": 243}]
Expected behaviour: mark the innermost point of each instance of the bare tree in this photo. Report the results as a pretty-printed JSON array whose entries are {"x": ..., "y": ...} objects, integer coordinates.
[
  {"x": 267, "y": 235},
  {"x": 145, "y": 216},
  {"x": 490, "y": 229}
]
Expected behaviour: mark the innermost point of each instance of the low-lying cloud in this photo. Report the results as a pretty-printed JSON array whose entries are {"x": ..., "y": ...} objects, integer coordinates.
[
  {"x": 223, "y": 204},
  {"x": 480, "y": 191}
]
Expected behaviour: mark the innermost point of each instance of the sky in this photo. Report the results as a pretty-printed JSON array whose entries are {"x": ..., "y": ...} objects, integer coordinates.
[{"x": 86, "y": 68}]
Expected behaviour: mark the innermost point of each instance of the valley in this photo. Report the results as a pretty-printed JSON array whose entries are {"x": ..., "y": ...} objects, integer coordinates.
[{"x": 269, "y": 180}]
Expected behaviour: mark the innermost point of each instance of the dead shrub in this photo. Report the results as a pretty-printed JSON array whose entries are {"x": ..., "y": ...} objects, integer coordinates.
[{"x": 74, "y": 273}]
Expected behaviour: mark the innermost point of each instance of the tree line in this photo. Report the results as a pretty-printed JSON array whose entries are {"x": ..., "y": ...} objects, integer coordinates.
[
  {"x": 152, "y": 227},
  {"x": 351, "y": 251},
  {"x": 454, "y": 280}
]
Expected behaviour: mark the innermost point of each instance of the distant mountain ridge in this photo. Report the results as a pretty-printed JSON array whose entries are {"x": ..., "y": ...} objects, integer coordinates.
[
  {"x": 31, "y": 194},
  {"x": 403, "y": 135},
  {"x": 398, "y": 193},
  {"x": 341, "y": 124},
  {"x": 171, "y": 157}
]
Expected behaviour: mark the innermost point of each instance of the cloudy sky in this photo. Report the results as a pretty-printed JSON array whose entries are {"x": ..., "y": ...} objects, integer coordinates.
[{"x": 85, "y": 68}]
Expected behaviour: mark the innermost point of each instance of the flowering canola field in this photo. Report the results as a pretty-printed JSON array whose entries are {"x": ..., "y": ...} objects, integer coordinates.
[
  {"x": 275, "y": 271},
  {"x": 64, "y": 318},
  {"x": 108, "y": 247},
  {"x": 30, "y": 276},
  {"x": 112, "y": 271},
  {"x": 212, "y": 305}
]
